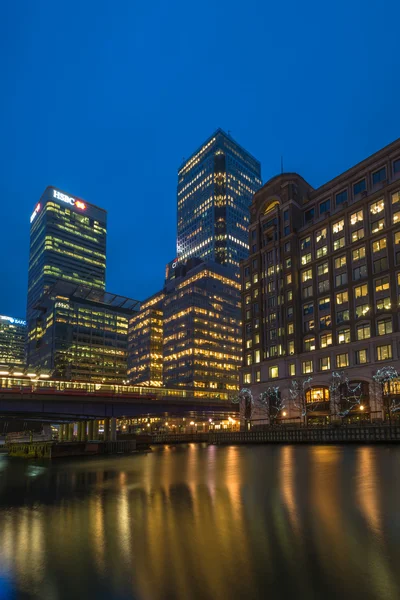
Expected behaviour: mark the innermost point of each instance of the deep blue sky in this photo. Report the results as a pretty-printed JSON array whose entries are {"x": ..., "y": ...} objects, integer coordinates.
[{"x": 104, "y": 99}]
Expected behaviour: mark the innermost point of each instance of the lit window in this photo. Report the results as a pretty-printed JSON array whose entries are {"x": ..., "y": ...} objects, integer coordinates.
[
  {"x": 320, "y": 235},
  {"x": 290, "y": 329},
  {"x": 306, "y": 275},
  {"x": 291, "y": 347},
  {"x": 384, "y": 352},
  {"x": 342, "y": 360},
  {"x": 292, "y": 369},
  {"x": 397, "y": 237},
  {"x": 317, "y": 395},
  {"x": 356, "y": 217},
  {"x": 325, "y": 340},
  {"x": 306, "y": 259},
  {"x": 323, "y": 251},
  {"x": 361, "y": 357},
  {"x": 377, "y": 226},
  {"x": 258, "y": 376},
  {"x": 306, "y": 243},
  {"x": 257, "y": 356},
  {"x": 325, "y": 322},
  {"x": 338, "y": 227},
  {"x": 289, "y": 296},
  {"x": 342, "y": 297},
  {"x": 309, "y": 344},
  {"x": 382, "y": 284},
  {"x": 249, "y": 344},
  {"x": 247, "y": 378},
  {"x": 340, "y": 243},
  {"x": 308, "y": 309},
  {"x": 379, "y": 176},
  {"x": 379, "y": 245},
  {"x": 396, "y": 217},
  {"x": 383, "y": 303},
  {"x": 362, "y": 310},
  {"x": 395, "y": 197},
  {"x": 324, "y": 303},
  {"x": 273, "y": 372},
  {"x": 377, "y": 207},
  {"x": 344, "y": 336},
  {"x": 340, "y": 262},
  {"x": 248, "y": 299},
  {"x": 323, "y": 268},
  {"x": 357, "y": 235},
  {"x": 385, "y": 326},
  {"x": 325, "y": 363},
  {"x": 307, "y": 366},
  {"x": 361, "y": 291},
  {"x": 249, "y": 359},
  {"x": 364, "y": 331},
  {"x": 255, "y": 278},
  {"x": 359, "y": 253}
]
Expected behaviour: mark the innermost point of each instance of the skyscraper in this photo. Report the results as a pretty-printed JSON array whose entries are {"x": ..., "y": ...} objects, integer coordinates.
[
  {"x": 12, "y": 343},
  {"x": 67, "y": 242},
  {"x": 215, "y": 188}
]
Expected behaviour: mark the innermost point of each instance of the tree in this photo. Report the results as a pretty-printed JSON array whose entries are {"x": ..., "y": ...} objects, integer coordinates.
[
  {"x": 384, "y": 377},
  {"x": 297, "y": 396},
  {"x": 272, "y": 402},
  {"x": 344, "y": 396},
  {"x": 246, "y": 405}
]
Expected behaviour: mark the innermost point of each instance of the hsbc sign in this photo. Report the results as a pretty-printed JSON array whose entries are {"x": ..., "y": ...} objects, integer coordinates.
[{"x": 69, "y": 200}]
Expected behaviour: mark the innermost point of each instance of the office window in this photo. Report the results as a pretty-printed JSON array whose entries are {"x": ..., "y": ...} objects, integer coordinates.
[
  {"x": 248, "y": 314},
  {"x": 383, "y": 303},
  {"x": 292, "y": 369},
  {"x": 385, "y": 326},
  {"x": 379, "y": 176},
  {"x": 379, "y": 245},
  {"x": 286, "y": 230},
  {"x": 325, "y": 363},
  {"x": 248, "y": 299},
  {"x": 342, "y": 297},
  {"x": 359, "y": 272},
  {"x": 309, "y": 215},
  {"x": 323, "y": 286},
  {"x": 359, "y": 187},
  {"x": 344, "y": 336},
  {"x": 342, "y": 360},
  {"x": 289, "y": 296},
  {"x": 396, "y": 166},
  {"x": 255, "y": 293},
  {"x": 249, "y": 359},
  {"x": 361, "y": 357},
  {"x": 247, "y": 285},
  {"x": 291, "y": 347},
  {"x": 247, "y": 378},
  {"x": 341, "y": 279},
  {"x": 290, "y": 329},
  {"x": 273, "y": 372},
  {"x": 253, "y": 234},
  {"x": 256, "y": 338},
  {"x": 254, "y": 248},
  {"x": 396, "y": 217},
  {"x": 358, "y": 253},
  {"x": 384, "y": 352},
  {"x": 257, "y": 356},
  {"x": 309, "y": 345},
  {"x": 271, "y": 287},
  {"x": 382, "y": 284},
  {"x": 340, "y": 261},
  {"x": 290, "y": 312},
  {"x": 325, "y": 322},
  {"x": 380, "y": 265},
  {"x": 341, "y": 197},
  {"x": 356, "y": 217},
  {"x": 324, "y": 207},
  {"x": 361, "y": 291},
  {"x": 395, "y": 197},
  {"x": 324, "y": 267},
  {"x": 338, "y": 227},
  {"x": 271, "y": 271},
  {"x": 288, "y": 279},
  {"x": 254, "y": 263},
  {"x": 308, "y": 309},
  {"x": 286, "y": 215},
  {"x": 324, "y": 303},
  {"x": 342, "y": 316},
  {"x": 255, "y": 278},
  {"x": 272, "y": 352},
  {"x": 305, "y": 243},
  {"x": 288, "y": 262},
  {"x": 249, "y": 344},
  {"x": 307, "y": 366},
  {"x": 325, "y": 340},
  {"x": 361, "y": 310},
  {"x": 308, "y": 291},
  {"x": 287, "y": 247},
  {"x": 377, "y": 207},
  {"x": 337, "y": 244},
  {"x": 309, "y": 325},
  {"x": 323, "y": 251},
  {"x": 255, "y": 308},
  {"x": 377, "y": 226},
  {"x": 258, "y": 376},
  {"x": 397, "y": 237},
  {"x": 363, "y": 331},
  {"x": 357, "y": 235},
  {"x": 306, "y": 258},
  {"x": 306, "y": 275},
  {"x": 247, "y": 272},
  {"x": 320, "y": 235}
]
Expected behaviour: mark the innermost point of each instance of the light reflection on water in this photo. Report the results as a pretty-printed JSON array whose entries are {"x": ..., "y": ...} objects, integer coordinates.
[{"x": 204, "y": 522}]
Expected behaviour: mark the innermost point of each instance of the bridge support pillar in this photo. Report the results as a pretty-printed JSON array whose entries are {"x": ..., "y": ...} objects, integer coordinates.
[
  {"x": 81, "y": 431},
  {"x": 70, "y": 432},
  {"x": 90, "y": 430},
  {"x": 113, "y": 433},
  {"x": 84, "y": 431},
  {"x": 96, "y": 429},
  {"x": 106, "y": 435},
  {"x": 61, "y": 433}
]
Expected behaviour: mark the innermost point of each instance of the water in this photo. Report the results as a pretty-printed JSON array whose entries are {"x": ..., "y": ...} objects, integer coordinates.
[{"x": 278, "y": 522}]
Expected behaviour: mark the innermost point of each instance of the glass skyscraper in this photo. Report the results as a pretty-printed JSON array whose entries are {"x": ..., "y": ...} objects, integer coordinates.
[
  {"x": 12, "y": 343},
  {"x": 67, "y": 242},
  {"x": 215, "y": 189}
]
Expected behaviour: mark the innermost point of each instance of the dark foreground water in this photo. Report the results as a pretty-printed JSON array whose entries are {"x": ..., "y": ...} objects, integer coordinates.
[{"x": 277, "y": 522}]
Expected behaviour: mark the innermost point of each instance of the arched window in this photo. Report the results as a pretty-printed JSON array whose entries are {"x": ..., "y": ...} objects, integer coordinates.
[
  {"x": 271, "y": 206},
  {"x": 317, "y": 394}
]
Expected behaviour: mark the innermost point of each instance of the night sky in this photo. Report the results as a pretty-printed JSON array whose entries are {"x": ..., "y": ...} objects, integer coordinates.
[{"x": 105, "y": 99}]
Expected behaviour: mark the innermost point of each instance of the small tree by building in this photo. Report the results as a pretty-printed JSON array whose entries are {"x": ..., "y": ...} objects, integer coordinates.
[
  {"x": 344, "y": 395},
  {"x": 385, "y": 377},
  {"x": 272, "y": 403},
  {"x": 297, "y": 397},
  {"x": 246, "y": 406}
]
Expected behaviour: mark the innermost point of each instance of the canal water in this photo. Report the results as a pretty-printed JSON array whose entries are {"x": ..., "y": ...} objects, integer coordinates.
[{"x": 198, "y": 522}]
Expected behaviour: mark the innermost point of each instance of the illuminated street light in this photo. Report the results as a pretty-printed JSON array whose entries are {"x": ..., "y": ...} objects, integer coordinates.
[
  {"x": 361, "y": 407},
  {"x": 192, "y": 422},
  {"x": 284, "y": 413}
]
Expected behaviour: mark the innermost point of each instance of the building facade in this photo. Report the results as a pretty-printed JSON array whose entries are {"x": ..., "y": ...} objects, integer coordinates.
[
  {"x": 215, "y": 188},
  {"x": 67, "y": 242},
  {"x": 145, "y": 343},
  {"x": 12, "y": 344},
  {"x": 81, "y": 334},
  {"x": 321, "y": 287}
]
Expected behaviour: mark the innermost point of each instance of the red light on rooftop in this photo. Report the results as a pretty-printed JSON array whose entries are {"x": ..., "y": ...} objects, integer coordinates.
[{"x": 80, "y": 204}]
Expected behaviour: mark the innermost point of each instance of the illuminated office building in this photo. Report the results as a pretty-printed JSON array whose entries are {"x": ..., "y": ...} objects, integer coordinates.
[
  {"x": 215, "y": 188},
  {"x": 12, "y": 343},
  {"x": 67, "y": 242},
  {"x": 81, "y": 333},
  {"x": 145, "y": 343},
  {"x": 321, "y": 287}
]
